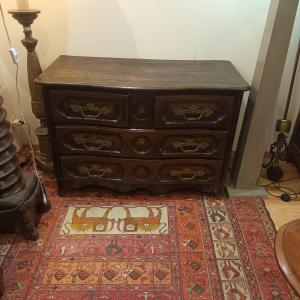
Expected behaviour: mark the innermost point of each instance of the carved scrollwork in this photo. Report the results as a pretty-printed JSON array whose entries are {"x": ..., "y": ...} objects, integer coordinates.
[
  {"x": 193, "y": 112},
  {"x": 95, "y": 171},
  {"x": 93, "y": 142},
  {"x": 91, "y": 111},
  {"x": 190, "y": 145},
  {"x": 187, "y": 174}
]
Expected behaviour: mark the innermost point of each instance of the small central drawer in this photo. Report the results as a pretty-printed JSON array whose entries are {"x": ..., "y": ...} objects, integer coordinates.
[
  {"x": 89, "y": 107},
  {"x": 148, "y": 143},
  {"x": 181, "y": 111}
]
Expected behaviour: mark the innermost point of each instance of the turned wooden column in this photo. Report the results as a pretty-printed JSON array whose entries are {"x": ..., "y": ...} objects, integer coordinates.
[
  {"x": 21, "y": 197},
  {"x": 11, "y": 180},
  {"x": 26, "y": 19}
]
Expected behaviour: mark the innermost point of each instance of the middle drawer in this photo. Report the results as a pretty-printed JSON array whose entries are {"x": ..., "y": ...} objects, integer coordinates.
[{"x": 149, "y": 143}]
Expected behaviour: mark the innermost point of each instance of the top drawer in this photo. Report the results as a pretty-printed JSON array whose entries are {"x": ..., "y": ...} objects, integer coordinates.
[
  {"x": 89, "y": 107},
  {"x": 194, "y": 111}
]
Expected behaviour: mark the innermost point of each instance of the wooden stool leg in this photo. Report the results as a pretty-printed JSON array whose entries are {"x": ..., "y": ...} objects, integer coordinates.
[{"x": 29, "y": 230}]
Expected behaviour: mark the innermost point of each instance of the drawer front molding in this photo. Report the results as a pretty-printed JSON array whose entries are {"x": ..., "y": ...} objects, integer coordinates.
[
  {"x": 141, "y": 143},
  {"x": 74, "y": 141},
  {"x": 185, "y": 173},
  {"x": 85, "y": 107},
  {"x": 201, "y": 144},
  {"x": 99, "y": 171},
  {"x": 193, "y": 111},
  {"x": 93, "y": 170}
]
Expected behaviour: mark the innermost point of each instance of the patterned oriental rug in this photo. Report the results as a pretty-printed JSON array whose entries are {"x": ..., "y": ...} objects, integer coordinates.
[{"x": 141, "y": 246}]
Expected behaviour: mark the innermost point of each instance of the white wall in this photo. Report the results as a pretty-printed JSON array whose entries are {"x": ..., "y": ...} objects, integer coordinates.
[
  {"x": 51, "y": 29},
  {"x": 167, "y": 29}
]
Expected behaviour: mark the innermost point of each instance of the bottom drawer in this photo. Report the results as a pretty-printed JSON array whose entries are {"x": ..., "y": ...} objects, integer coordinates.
[{"x": 130, "y": 174}]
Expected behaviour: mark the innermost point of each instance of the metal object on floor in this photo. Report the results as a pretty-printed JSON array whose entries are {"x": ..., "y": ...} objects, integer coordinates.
[{"x": 279, "y": 149}]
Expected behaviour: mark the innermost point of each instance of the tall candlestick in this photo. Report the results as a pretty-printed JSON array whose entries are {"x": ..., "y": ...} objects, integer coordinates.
[
  {"x": 22, "y": 5},
  {"x": 26, "y": 19}
]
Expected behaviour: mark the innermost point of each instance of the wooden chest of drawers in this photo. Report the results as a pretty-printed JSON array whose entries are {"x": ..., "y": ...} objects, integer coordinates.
[{"x": 127, "y": 123}]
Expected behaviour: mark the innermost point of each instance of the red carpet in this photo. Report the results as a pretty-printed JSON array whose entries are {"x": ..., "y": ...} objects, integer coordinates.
[{"x": 176, "y": 246}]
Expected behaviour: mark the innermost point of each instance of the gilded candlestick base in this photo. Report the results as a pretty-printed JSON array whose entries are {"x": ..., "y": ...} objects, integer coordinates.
[{"x": 25, "y": 17}]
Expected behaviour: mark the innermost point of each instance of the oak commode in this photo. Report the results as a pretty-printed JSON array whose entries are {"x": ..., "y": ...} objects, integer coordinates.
[{"x": 126, "y": 124}]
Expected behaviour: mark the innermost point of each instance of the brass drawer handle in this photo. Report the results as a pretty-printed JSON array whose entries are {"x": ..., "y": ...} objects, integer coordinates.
[
  {"x": 190, "y": 146},
  {"x": 193, "y": 112},
  {"x": 187, "y": 174},
  {"x": 101, "y": 143},
  {"x": 101, "y": 172},
  {"x": 91, "y": 111}
]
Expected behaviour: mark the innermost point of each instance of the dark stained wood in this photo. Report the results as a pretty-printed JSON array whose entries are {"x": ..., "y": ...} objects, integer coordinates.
[
  {"x": 194, "y": 110},
  {"x": 127, "y": 124},
  {"x": 287, "y": 249},
  {"x": 294, "y": 147},
  {"x": 130, "y": 174},
  {"x": 143, "y": 74},
  {"x": 137, "y": 143},
  {"x": 89, "y": 107},
  {"x": 141, "y": 110}
]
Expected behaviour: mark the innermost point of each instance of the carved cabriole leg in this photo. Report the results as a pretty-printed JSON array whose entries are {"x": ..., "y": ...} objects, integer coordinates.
[{"x": 26, "y": 18}]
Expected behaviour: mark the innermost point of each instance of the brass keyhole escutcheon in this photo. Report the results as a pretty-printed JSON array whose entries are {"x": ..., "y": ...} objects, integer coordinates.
[
  {"x": 141, "y": 109},
  {"x": 142, "y": 141},
  {"x": 141, "y": 173},
  {"x": 141, "y": 144}
]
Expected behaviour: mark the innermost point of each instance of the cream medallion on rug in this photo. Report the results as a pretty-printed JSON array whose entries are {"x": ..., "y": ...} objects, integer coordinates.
[{"x": 116, "y": 220}]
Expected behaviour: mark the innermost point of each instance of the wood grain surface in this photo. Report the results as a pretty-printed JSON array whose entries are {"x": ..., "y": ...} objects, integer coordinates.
[{"x": 143, "y": 74}]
